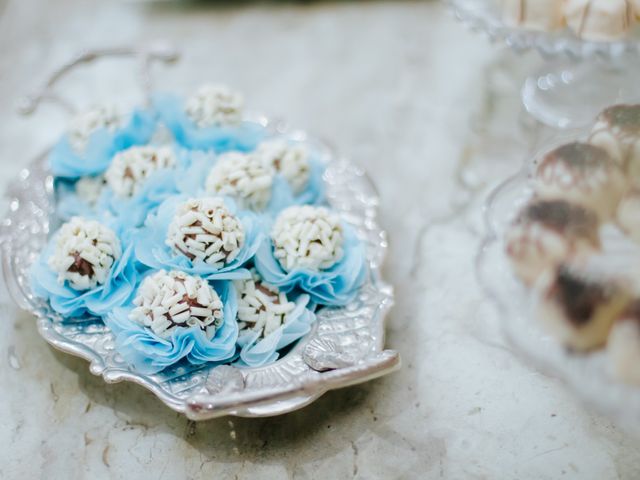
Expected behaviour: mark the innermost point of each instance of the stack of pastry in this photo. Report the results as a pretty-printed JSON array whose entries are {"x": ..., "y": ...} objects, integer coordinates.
[
  {"x": 554, "y": 240},
  {"x": 596, "y": 20}
]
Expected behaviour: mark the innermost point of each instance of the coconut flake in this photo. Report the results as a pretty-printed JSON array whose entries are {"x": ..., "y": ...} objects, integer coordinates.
[
  {"x": 244, "y": 177},
  {"x": 168, "y": 300},
  {"x": 307, "y": 237},
  {"x": 84, "y": 254},
  {"x": 86, "y": 123},
  {"x": 262, "y": 308},
  {"x": 204, "y": 229},
  {"x": 291, "y": 161},
  {"x": 130, "y": 168},
  {"x": 215, "y": 105}
]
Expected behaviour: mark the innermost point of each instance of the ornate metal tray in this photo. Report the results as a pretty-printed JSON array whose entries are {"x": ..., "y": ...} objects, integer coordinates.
[{"x": 345, "y": 346}]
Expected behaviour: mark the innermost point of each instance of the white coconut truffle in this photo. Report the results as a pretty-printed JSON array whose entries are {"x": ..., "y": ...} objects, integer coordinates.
[
  {"x": 306, "y": 237},
  {"x": 130, "y": 168},
  {"x": 583, "y": 174},
  {"x": 168, "y": 300},
  {"x": 204, "y": 229},
  {"x": 214, "y": 106},
  {"x": 617, "y": 130},
  {"x": 579, "y": 309},
  {"x": 541, "y": 15},
  {"x": 262, "y": 308},
  {"x": 623, "y": 345},
  {"x": 599, "y": 20},
  {"x": 83, "y": 125},
  {"x": 84, "y": 253},
  {"x": 548, "y": 232},
  {"x": 290, "y": 160},
  {"x": 243, "y": 177},
  {"x": 90, "y": 188}
]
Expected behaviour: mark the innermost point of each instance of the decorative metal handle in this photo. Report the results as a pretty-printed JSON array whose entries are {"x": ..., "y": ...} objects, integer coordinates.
[{"x": 145, "y": 55}]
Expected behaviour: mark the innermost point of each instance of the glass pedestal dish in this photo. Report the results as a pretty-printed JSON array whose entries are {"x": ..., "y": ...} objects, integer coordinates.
[
  {"x": 589, "y": 375},
  {"x": 578, "y": 79}
]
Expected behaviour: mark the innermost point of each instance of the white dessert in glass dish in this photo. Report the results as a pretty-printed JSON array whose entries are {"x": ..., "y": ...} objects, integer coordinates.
[
  {"x": 583, "y": 174},
  {"x": 539, "y": 15},
  {"x": 599, "y": 20},
  {"x": 580, "y": 309},
  {"x": 546, "y": 233}
]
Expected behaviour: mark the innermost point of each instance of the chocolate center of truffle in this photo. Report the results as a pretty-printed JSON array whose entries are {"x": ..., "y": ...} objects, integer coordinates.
[
  {"x": 81, "y": 266},
  {"x": 192, "y": 303}
]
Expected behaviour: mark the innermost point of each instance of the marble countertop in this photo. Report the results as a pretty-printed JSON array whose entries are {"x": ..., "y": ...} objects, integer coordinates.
[{"x": 431, "y": 111}]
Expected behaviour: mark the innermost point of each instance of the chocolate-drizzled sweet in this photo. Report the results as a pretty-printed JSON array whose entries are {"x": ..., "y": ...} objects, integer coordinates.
[
  {"x": 581, "y": 310},
  {"x": 547, "y": 233},
  {"x": 581, "y": 173},
  {"x": 578, "y": 297},
  {"x": 599, "y": 20},
  {"x": 543, "y": 15},
  {"x": 622, "y": 118},
  {"x": 571, "y": 220},
  {"x": 617, "y": 130}
]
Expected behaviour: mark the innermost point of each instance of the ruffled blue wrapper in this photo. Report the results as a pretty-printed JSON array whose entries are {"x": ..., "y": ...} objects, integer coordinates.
[
  {"x": 102, "y": 146},
  {"x": 336, "y": 286},
  {"x": 149, "y": 353},
  {"x": 255, "y": 352},
  {"x": 314, "y": 191},
  {"x": 69, "y": 204},
  {"x": 130, "y": 212},
  {"x": 152, "y": 251},
  {"x": 243, "y": 137},
  {"x": 70, "y": 303},
  {"x": 282, "y": 195}
]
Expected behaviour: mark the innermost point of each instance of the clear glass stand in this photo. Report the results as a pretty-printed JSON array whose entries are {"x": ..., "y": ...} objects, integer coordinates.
[
  {"x": 580, "y": 77},
  {"x": 570, "y": 95}
]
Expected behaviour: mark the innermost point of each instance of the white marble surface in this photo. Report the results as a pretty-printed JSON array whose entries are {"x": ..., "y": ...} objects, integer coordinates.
[{"x": 430, "y": 111}]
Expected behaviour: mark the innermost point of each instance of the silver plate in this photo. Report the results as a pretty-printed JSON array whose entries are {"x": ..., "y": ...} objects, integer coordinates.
[{"x": 345, "y": 346}]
